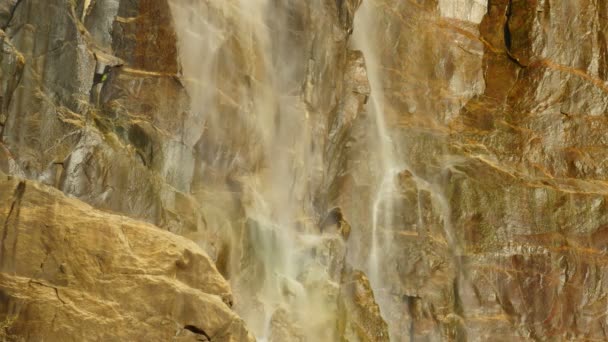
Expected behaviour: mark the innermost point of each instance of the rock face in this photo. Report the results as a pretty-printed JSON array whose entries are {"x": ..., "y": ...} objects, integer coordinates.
[
  {"x": 281, "y": 89},
  {"x": 362, "y": 320},
  {"x": 497, "y": 111},
  {"x": 356, "y": 170},
  {"x": 73, "y": 273},
  {"x": 91, "y": 104}
]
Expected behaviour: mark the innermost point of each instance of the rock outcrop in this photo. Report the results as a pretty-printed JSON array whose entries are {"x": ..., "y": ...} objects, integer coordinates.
[
  {"x": 360, "y": 315},
  {"x": 69, "y": 272},
  {"x": 91, "y": 104}
]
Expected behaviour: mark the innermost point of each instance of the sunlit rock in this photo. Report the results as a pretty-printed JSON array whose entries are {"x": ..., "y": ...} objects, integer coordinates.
[
  {"x": 360, "y": 318},
  {"x": 71, "y": 270}
]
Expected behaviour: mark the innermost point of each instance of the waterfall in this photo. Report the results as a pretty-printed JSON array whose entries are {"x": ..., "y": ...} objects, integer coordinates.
[
  {"x": 252, "y": 89},
  {"x": 259, "y": 135},
  {"x": 382, "y": 211}
]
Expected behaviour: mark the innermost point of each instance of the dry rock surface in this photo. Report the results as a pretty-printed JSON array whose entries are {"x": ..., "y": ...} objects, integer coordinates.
[{"x": 70, "y": 272}]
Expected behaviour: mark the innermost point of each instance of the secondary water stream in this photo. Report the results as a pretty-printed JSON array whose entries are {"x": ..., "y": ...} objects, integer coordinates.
[{"x": 382, "y": 211}]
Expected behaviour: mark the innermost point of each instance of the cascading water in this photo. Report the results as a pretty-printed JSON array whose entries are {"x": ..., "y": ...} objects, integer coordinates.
[
  {"x": 371, "y": 29},
  {"x": 252, "y": 90},
  {"x": 259, "y": 137},
  {"x": 382, "y": 210}
]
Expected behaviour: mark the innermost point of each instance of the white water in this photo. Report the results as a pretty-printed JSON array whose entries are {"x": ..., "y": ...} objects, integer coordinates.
[
  {"x": 260, "y": 136},
  {"x": 382, "y": 211},
  {"x": 240, "y": 75},
  {"x": 368, "y": 26}
]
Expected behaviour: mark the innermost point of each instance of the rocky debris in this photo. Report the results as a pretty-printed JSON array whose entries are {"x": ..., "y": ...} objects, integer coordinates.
[{"x": 69, "y": 271}]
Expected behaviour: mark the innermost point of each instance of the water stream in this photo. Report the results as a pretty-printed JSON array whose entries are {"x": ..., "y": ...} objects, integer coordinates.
[
  {"x": 259, "y": 134},
  {"x": 244, "y": 79},
  {"x": 366, "y": 30}
]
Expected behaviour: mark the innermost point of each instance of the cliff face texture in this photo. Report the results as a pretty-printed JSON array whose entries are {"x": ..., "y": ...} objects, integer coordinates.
[
  {"x": 73, "y": 273},
  {"x": 290, "y": 170},
  {"x": 498, "y": 111}
]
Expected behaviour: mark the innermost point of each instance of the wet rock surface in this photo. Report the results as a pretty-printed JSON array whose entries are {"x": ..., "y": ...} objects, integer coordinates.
[
  {"x": 361, "y": 318},
  {"x": 497, "y": 114}
]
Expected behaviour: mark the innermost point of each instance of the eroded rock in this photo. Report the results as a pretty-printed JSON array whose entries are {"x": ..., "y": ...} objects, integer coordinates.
[{"x": 70, "y": 271}]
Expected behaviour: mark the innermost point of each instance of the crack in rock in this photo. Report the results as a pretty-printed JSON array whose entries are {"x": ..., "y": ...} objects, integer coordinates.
[
  {"x": 51, "y": 287},
  {"x": 15, "y": 206},
  {"x": 198, "y": 331},
  {"x": 508, "y": 36},
  {"x": 12, "y": 14}
]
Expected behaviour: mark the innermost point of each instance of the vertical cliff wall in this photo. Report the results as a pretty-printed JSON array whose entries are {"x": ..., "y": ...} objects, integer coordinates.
[
  {"x": 289, "y": 170},
  {"x": 497, "y": 113}
]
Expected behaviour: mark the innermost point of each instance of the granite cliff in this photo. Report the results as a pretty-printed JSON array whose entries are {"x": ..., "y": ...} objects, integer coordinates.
[{"x": 290, "y": 170}]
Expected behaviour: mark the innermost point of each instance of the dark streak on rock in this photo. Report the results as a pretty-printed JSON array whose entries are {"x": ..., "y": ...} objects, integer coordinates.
[
  {"x": 458, "y": 305},
  {"x": 10, "y": 18},
  {"x": 508, "y": 37},
  {"x": 507, "y": 31},
  {"x": 197, "y": 331},
  {"x": 143, "y": 159},
  {"x": 334, "y": 217},
  {"x": 17, "y": 196},
  {"x": 410, "y": 303},
  {"x": 58, "y": 297}
]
